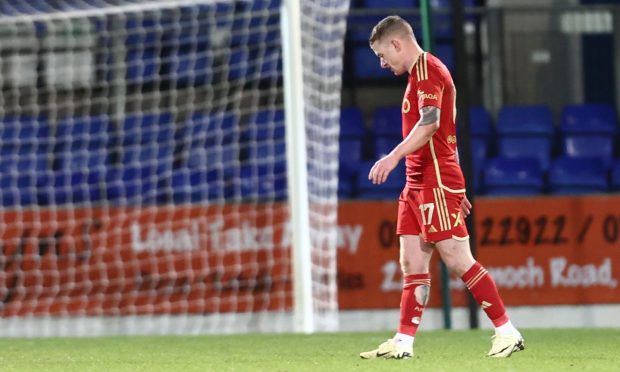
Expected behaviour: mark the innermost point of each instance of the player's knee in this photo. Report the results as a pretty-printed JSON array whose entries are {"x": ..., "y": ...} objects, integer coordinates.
[
  {"x": 409, "y": 267},
  {"x": 421, "y": 294}
]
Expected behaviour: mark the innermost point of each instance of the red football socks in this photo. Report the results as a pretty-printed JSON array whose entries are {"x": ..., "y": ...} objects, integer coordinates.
[
  {"x": 416, "y": 289},
  {"x": 484, "y": 290}
]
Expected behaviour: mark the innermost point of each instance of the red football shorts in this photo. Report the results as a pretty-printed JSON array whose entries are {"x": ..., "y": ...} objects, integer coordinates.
[{"x": 433, "y": 213}]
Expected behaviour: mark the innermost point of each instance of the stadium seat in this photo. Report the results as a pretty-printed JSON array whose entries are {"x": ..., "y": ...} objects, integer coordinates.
[
  {"x": 526, "y": 132},
  {"x": 260, "y": 17},
  {"x": 143, "y": 128},
  {"x": 391, "y": 189},
  {"x": 386, "y": 130},
  {"x": 513, "y": 176},
  {"x": 525, "y": 120},
  {"x": 387, "y": 121},
  {"x": 350, "y": 156},
  {"x": 480, "y": 154},
  {"x": 615, "y": 176},
  {"x": 481, "y": 133},
  {"x": 390, "y": 4},
  {"x": 189, "y": 185},
  {"x": 367, "y": 65},
  {"x": 577, "y": 176},
  {"x": 20, "y": 176},
  {"x": 142, "y": 66},
  {"x": 480, "y": 122},
  {"x": 445, "y": 52},
  {"x": 186, "y": 66},
  {"x": 263, "y": 182},
  {"x": 143, "y": 175},
  {"x": 24, "y": 134},
  {"x": 589, "y": 130},
  {"x": 75, "y": 137},
  {"x": 383, "y": 145},
  {"x": 352, "y": 123},
  {"x": 265, "y": 124}
]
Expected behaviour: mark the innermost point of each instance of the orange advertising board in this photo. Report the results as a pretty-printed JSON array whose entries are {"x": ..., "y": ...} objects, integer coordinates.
[
  {"x": 540, "y": 251},
  {"x": 169, "y": 259},
  {"x": 236, "y": 258}
]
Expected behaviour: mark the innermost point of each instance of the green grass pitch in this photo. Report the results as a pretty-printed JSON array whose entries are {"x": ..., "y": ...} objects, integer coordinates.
[{"x": 546, "y": 350}]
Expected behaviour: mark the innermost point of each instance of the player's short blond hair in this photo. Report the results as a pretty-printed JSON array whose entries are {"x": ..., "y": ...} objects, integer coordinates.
[{"x": 388, "y": 26}]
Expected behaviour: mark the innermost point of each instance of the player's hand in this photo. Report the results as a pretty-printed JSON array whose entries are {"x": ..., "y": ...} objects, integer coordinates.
[
  {"x": 382, "y": 168},
  {"x": 465, "y": 206}
]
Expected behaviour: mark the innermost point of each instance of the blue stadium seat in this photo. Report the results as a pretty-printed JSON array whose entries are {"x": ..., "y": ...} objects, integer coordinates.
[
  {"x": 143, "y": 128},
  {"x": 391, "y": 189},
  {"x": 589, "y": 118},
  {"x": 390, "y": 4},
  {"x": 197, "y": 185},
  {"x": 261, "y": 17},
  {"x": 526, "y": 132},
  {"x": 264, "y": 124},
  {"x": 24, "y": 134},
  {"x": 513, "y": 176},
  {"x": 577, "y": 176},
  {"x": 445, "y": 52},
  {"x": 481, "y": 132},
  {"x": 367, "y": 65},
  {"x": 143, "y": 175},
  {"x": 350, "y": 156},
  {"x": 387, "y": 121},
  {"x": 255, "y": 64},
  {"x": 352, "y": 123},
  {"x": 384, "y": 145},
  {"x": 20, "y": 176},
  {"x": 75, "y": 137},
  {"x": 386, "y": 129},
  {"x": 143, "y": 66},
  {"x": 480, "y": 122},
  {"x": 359, "y": 27},
  {"x": 187, "y": 66},
  {"x": 209, "y": 129},
  {"x": 588, "y": 130},
  {"x": 525, "y": 120},
  {"x": 480, "y": 154},
  {"x": 615, "y": 176},
  {"x": 263, "y": 182},
  {"x": 143, "y": 30}
]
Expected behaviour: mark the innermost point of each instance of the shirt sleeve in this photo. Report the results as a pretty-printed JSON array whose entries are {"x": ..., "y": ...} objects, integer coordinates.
[{"x": 430, "y": 89}]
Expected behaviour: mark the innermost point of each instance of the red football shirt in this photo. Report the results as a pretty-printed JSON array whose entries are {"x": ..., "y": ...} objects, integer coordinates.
[{"x": 435, "y": 164}]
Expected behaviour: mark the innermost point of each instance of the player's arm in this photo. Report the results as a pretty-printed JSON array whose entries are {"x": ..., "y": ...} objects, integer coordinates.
[
  {"x": 421, "y": 133},
  {"x": 418, "y": 137}
]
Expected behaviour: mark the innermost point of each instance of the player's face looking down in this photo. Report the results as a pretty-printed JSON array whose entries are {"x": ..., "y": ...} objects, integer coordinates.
[{"x": 391, "y": 54}]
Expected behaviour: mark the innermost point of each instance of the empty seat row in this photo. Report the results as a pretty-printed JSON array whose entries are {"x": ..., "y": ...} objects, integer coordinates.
[
  {"x": 523, "y": 136},
  {"x": 148, "y": 158}
]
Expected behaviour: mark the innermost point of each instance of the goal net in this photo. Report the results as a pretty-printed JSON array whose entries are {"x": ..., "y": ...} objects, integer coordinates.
[{"x": 143, "y": 167}]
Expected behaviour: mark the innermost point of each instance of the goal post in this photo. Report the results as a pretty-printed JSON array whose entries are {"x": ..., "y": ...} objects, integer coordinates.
[
  {"x": 148, "y": 181},
  {"x": 296, "y": 156}
]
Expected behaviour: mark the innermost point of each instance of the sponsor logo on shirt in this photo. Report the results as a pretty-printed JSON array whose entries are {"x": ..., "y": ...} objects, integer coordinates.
[
  {"x": 451, "y": 139},
  {"x": 406, "y": 106},
  {"x": 423, "y": 95}
]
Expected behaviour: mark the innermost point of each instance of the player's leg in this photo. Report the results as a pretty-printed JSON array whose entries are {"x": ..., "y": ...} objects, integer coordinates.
[
  {"x": 453, "y": 246},
  {"x": 456, "y": 254},
  {"x": 414, "y": 258}
]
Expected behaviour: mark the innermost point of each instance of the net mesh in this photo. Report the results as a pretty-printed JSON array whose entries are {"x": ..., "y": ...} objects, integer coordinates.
[{"x": 143, "y": 167}]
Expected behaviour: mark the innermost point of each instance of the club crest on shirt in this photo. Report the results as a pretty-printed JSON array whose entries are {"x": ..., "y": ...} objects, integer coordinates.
[
  {"x": 406, "y": 106},
  {"x": 423, "y": 95}
]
